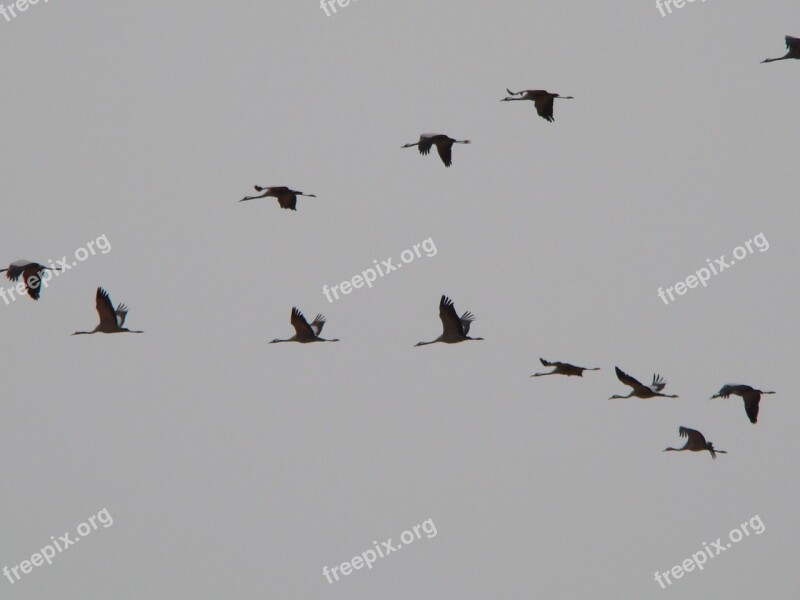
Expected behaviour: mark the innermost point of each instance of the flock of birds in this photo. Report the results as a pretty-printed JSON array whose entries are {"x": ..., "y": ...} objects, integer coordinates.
[{"x": 455, "y": 328}]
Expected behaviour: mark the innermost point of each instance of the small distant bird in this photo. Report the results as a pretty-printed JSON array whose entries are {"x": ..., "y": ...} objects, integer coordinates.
[
  {"x": 750, "y": 396},
  {"x": 793, "y": 44},
  {"x": 696, "y": 442},
  {"x": 111, "y": 321},
  {"x": 542, "y": 100},
  {"x": 305, "y": 333},
  {"x": 287, "y": 197},
  {"x": 639, "y": 389},
  {"x": 31, "y": 273},
  {"x": 444, "y": 145},
  {"x": 562, "y": 368},
  {"x": 454, "y": 328}
]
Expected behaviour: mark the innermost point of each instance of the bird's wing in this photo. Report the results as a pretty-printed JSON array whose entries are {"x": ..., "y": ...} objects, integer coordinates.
[
  {"x": 105, "y": 309},
  {"x": 318, "y": 324},
  {"x": 445, "y": 149},
  {"x": 16, "y": 269},
  {"x": 466, "y": 319},
  {"x": 658, "y": 383},
  {"x": 122, "y": 312},
  {"x": 792, "y": 43},
  {"x": 544, "y": 106},
  {"x": 33, "y": 270},
  {"x": 425, "y": 144},
  {"x": 451, "y": 324},
  {"x": 288, "y": 200},
  {"x": 694, "y": 437},
  {"x": 627, "y": 379},
  {"x": 547, "y": 363},
  {"x": 301, "y": 326},
  {"x": 751, "y": 401}
]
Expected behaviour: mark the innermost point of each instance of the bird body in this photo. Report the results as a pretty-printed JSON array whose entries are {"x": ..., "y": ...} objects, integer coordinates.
[
  {"x": 111, "y": 319},
  {"x": 793, "y": 44},
  {"x": 305, "y": 333},
  {"x": 31, "y": 273},
  {"x": 751, "y": 397},
  {"x": 639, "y": 389},
  {"x": 454, "y": 328},
  {"x": 695, "y": 442},
  {"x": 542, "y": 100},
  {"x": 562, "y": 368},
  {"x": 287, "y": 197},
  {"x": 443, "y": 143}
]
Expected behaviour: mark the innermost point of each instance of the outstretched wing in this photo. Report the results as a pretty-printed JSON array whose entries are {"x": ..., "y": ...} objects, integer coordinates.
[
  {"x": 658, "y": 383},
  {"x": 318, "y": 324},
  {"x": 544, "y": 106},
  {"x": 425, "y": 144},
  {"x": 301, "y": 326},
  {"x": 32, "y": 276},
  {"x": 751, "y": 401},
  {"x": 466, "y": 319},
  {"x": 627, "y": 379},
  {"x": 445, "y": 149},
  {"x": 793, "y": 43},
  {"x": 451, "y": 324},
  {"x": 105, "y": 309},
  {"x": 694, "y": 437},
  {"x": 17, "y": 268},
  {"x": 288, "y": 200},
  {"x": 547, "y": 363},
  {"x": 122, "y": 312}
]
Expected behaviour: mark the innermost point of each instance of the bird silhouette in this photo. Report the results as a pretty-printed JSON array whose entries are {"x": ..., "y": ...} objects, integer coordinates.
[
  {"x": 695, "y": 442},
  {"x": 542, "y": 100},
  {"x": 305, "y": 333},
  {"x": 443, "y": 143},
  {"x": 111, "y": 319},
  {"x": 639, "y": 389},
  {"x": 751, "y": 397}
]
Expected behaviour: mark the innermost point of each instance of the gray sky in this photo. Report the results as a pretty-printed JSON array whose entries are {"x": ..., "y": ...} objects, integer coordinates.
[{"x": 233, "y": 468}]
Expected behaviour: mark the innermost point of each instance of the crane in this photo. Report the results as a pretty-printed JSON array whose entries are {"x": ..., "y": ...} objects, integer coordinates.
[
  {"x": 444, "y": 146},
  {"x": 454, "y": 328},
  {"x": 111, "y": 320}
]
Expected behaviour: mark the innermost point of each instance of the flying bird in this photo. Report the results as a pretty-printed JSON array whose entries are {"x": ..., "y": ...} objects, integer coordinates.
[
  {"x": 793, "y": 44},
  {"x": 444, "y": 145},
  {"x": 542, "y": 100},
  {"x": 305, "y": 333},
  {"x": 111, "y": 320},
  {"x": 286, "y": 197},
  {"x": 562, "y": 368},
  {"x": 750, "y": 396},
  {"x": 639, "y": 389},
  {"x": 31, "y": 273},
  {"x": 695, "y": 442},
  {"x": 454, "y": 328}
]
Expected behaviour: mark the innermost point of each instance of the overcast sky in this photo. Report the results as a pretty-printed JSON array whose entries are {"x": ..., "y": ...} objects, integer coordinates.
[{"x": 237, "y": 469}]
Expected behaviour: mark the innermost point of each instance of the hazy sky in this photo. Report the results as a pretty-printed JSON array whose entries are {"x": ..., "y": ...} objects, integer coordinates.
[{"x": 237, "y": 469}]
